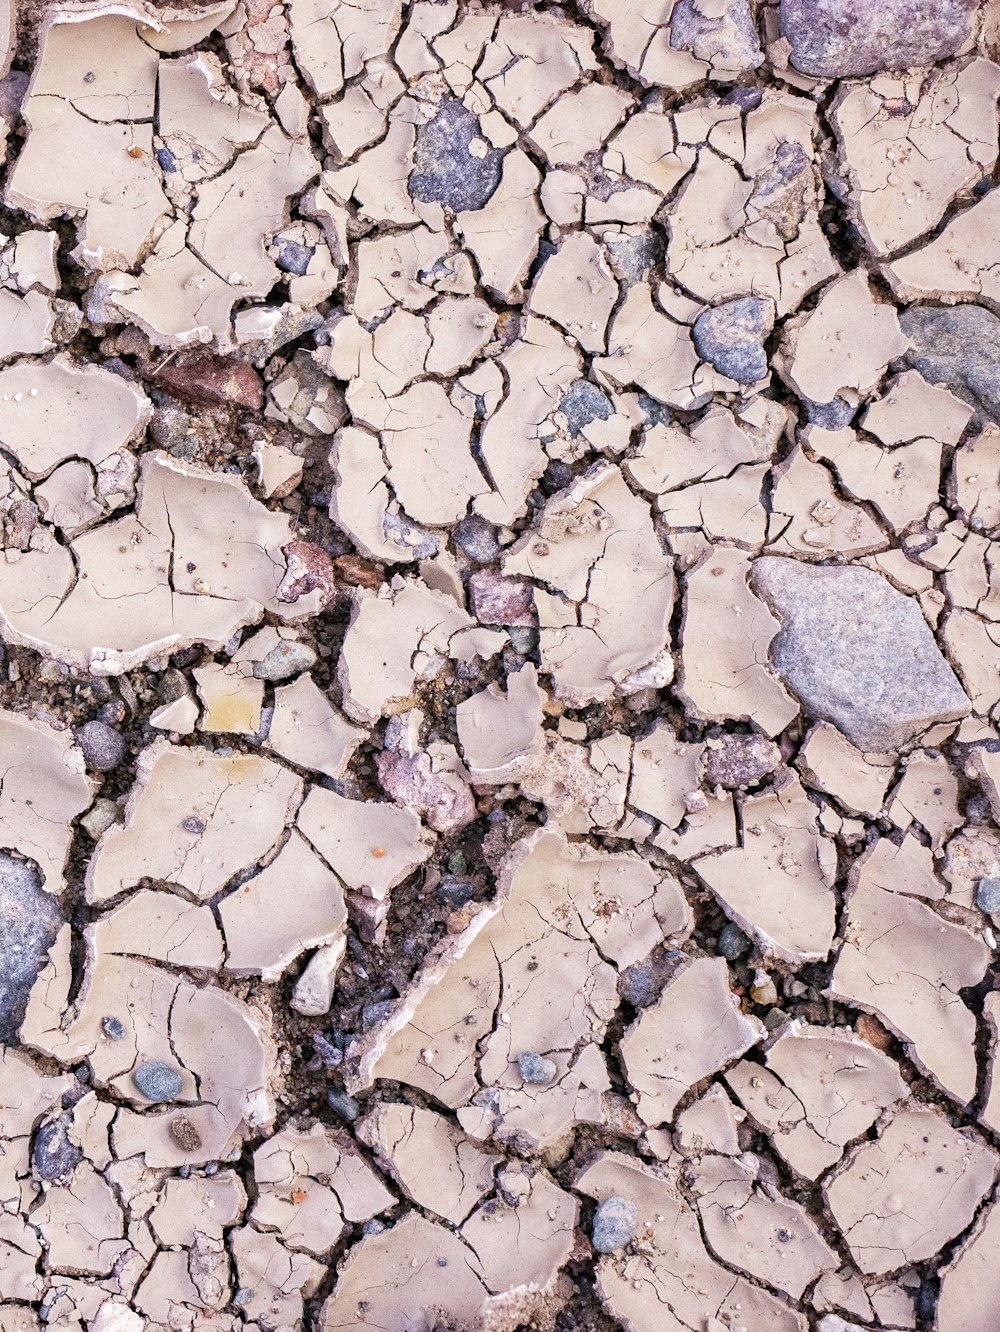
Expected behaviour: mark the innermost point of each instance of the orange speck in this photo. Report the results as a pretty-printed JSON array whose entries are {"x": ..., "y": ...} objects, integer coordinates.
[
  {"x": 378, "y": 853},
  {"x": 135, "y": 151},
  {"x": 299, "y": 1195}
]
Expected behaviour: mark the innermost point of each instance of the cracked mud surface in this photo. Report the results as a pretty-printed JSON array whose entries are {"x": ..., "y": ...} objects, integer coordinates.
[{"x": 499, "y": 767}]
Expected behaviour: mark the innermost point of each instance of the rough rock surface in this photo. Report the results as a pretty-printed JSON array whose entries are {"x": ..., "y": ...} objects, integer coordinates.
[
  {"x": 958, "y": 346},
  {"x": 29, "y": 921},
  {"x": 858, "y": 653},
  {"x": 843, "y": 40}
]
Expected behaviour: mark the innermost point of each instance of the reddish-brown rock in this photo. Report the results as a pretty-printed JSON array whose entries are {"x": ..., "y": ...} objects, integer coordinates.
[{"x": 213, "y": 381}]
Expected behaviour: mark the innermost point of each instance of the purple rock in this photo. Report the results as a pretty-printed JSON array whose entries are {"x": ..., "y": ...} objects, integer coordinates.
[{"x": 844, "y": 38}]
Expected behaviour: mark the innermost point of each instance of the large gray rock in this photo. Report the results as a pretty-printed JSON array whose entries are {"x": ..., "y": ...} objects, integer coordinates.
[
  {"x": 731, "y": 336},
  {"x": 958, "y": 346},
  {"x": 444, "y": 171},
  {"x": 844, "y": 38},
  {"x": 29, "y": 920},
  {"x": 857, "y": 652}
]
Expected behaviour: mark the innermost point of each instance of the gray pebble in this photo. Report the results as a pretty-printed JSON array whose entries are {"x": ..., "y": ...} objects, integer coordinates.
[
  {"x": 731, "y": 337},
  {"x": 103, "y": 748},
  {"x": 287, "y": 659},
  {"x": 833, "y": 415},
  {"x": 523, "y": 638},
  {"x": 535, "y": 1068},
  {"x": 53, "y": 1155},
  {"x": 112, "y": 1028},
  {"x": 642, "y": 983},
  {"x": 476, "y": 539},
  {"x": 373, "y": 1014},
  {"x": 988, "y": 895},
  {"x": 157, "y": 1081},
  {"x": 294, "y": 258},
  {"x": 343, "y": 1105},
  {"x": 614, "y": 1225},
  {"x": 582, "y": 403},
  {"x": 738, "y": 760},
  {"x": 733, "y": 943}
]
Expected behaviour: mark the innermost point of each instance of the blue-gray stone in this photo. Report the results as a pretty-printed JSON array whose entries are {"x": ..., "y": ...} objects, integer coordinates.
[
  {"x": 343, "y": 1105},
  {"x": 294, "y": 258},
  {"x": 53, "y": 1156},
  {"x": 988, "y": 895},
  {"x": 158, "y": 1081},
  {"x": 733, "y": 943},
  {"x": 477, "y": 539},
  {"x": 614, "y": 1225},
  {"x": 582, "y": 403},
  {"x": 29, "y": 920},
  {"x": 444, "y": 171},
  {"x": 731, "y": 337},
  {"x": 288, "y": 658},
  {"x": 833, "y": 415},
  {"x": 535, "y": 1068},
  {"x": 958, "y": 346},
  {"x": 112, "y": 1028}
]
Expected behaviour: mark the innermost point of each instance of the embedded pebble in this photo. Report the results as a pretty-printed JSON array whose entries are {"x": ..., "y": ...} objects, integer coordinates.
[
  {"x": 289, "y": 658},
  {"x": 535, "y": 1068},
  {"x": 614, "y": 1225},
  {"x": 158, "y": 1081},
  {"x": 53, "y": 1155},
  {"x": 732, "y": 336},
  {"x": 184, "y": 1133},
  {"x": 988, "y": 895}
]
